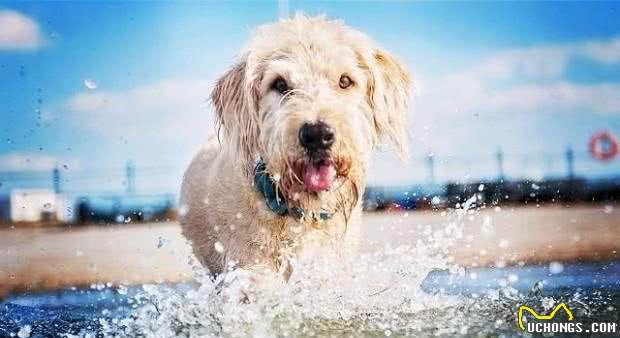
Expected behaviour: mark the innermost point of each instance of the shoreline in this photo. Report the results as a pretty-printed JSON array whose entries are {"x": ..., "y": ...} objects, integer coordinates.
[{"x": 46, "y": 259}]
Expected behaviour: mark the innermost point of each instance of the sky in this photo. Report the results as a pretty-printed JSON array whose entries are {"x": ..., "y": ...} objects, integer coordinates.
[{"x": 88, "y": 86}]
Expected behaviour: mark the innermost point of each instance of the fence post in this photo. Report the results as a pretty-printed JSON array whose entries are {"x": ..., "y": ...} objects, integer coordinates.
[
  {"x": 570, "y": 162},
  {"x": 500, "y": 164},
  {"x": 130, "y": 177},
  {"x": 56, "y": 180},
  {"x": 430, "y": 162}
]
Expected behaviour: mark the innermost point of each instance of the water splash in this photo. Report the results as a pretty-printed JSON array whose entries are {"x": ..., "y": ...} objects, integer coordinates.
[{"x": 377, "y": 293}]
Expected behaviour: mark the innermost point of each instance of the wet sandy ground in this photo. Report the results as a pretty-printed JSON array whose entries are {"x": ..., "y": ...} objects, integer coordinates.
[{"x": 34, "y": 259}]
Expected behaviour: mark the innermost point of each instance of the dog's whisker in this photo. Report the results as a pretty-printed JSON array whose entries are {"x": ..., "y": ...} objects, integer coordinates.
[
  {"x": 282, "y": 145},
  {"x": 289, "y": 93},
  {"x": 297, "y": 178},
  {"x": 283, "y": 98},
  {"x": 294, "y": 175}
]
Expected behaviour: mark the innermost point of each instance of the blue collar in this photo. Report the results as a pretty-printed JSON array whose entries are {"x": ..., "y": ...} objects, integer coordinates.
[{"x": 275, "y": 201}]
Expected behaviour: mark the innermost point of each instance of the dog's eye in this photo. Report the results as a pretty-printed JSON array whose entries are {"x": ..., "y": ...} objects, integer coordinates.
[
  {"x": 280, "y": 86},
  {"x": 345, "y": 82}
]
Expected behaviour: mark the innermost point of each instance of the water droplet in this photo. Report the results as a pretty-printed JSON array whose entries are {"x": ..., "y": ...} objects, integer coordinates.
[
  {"x": 160, "y": 242},
  {"x": 219, "y": 247},
  {"x": 513, "y": 278},
  {"x": 503, "y": 243},
  {"x": 24, "y": 331},
  {"x": 487, "y": 225},
  {"x": 556, "y": 267},
  {"x": 548, "y": 303},
  {"x": 90, "y": 84},
  {"x": 183, "y": 209}
]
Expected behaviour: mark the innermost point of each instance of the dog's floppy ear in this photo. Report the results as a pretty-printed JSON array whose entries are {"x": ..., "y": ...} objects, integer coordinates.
[
  {"x": 388, "y": 93},
  {"x": 235, "y": 99}
]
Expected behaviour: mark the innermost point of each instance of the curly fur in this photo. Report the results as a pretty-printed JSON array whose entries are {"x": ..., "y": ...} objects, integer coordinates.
[{"x": 227, "y": 221}]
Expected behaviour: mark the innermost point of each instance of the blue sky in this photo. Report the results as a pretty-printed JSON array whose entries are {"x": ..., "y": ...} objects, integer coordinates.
[{"x": 530, "y": 78}]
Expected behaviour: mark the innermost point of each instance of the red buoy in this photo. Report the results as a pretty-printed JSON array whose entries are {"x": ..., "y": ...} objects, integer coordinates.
[{"x": 603, "y": 146}]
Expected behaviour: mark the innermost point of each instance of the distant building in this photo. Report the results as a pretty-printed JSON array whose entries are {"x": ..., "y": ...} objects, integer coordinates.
[
  {"x": 30, "y": 205},
  {"x": 123, "y": 209}
]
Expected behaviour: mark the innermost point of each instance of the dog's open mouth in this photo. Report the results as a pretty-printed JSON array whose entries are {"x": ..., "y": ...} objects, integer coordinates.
[{"x": 319, "y": 176}]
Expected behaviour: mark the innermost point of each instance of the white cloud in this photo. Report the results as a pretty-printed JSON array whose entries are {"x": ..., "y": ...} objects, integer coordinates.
[
  {"x": 556, "y": 97},
  {"x": 18, "y": 32},
  {"x": 505, "y": 100},
  {"x": 537, "y": 62},
  {"x": 161, "y": 123},
  {"x": 452, "y": 116},
  {"x": 547, "y": 61},
  {"x": 527, "y": 80},
  {"x": 605, "y": 51},
  {"x": 169, "y": 107},
  {"x": 34, "y": 162},
  {"x": 461, "y": 94}
]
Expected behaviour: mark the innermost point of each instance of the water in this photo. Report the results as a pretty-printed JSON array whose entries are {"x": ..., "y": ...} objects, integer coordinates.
[
  {"x": 441, "y": 304},
  {"x": 402, "y": 291}
]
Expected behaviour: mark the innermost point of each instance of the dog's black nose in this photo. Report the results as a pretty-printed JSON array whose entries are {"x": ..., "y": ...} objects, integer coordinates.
[{"x": 316, "y": 136}]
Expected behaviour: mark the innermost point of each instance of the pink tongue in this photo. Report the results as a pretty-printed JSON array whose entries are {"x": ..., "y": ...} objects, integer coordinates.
[{"x": 319, "y": 177}]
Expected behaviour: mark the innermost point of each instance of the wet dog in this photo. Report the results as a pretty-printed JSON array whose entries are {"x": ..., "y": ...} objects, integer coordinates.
[{"x": 298, "y": 117}]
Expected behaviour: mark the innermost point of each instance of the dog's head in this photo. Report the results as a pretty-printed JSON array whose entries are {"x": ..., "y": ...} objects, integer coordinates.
[{"x": 312, "y": 98}]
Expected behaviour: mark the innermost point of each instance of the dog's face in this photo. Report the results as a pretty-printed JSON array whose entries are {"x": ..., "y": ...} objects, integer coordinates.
[{"x": 312, "y": 98}]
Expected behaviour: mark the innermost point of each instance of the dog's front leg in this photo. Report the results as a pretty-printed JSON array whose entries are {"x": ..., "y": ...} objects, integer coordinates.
[{"x": 243, "y": 285}]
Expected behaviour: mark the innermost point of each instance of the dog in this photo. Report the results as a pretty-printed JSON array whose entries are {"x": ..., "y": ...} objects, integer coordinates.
[{"x": 298, "y": 117}]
